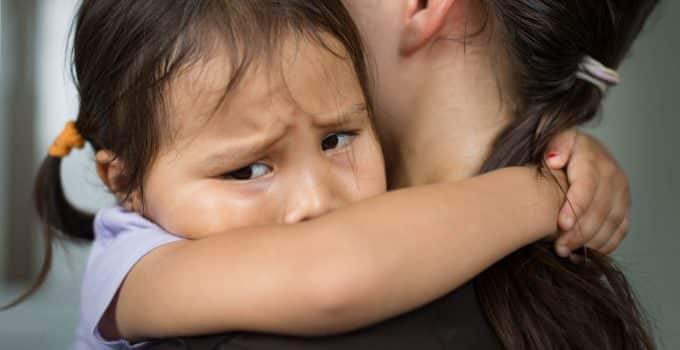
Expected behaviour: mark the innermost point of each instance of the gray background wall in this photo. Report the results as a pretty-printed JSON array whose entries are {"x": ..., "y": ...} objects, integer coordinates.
[{"x": 641, "y": 125}]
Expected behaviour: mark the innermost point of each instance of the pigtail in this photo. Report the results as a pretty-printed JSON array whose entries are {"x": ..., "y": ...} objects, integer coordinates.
[
  {"x": 58, "y": 215},
  {"x": 59, "y": 219}
]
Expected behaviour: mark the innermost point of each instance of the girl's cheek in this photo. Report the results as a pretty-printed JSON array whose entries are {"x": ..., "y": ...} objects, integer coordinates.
[
  {"x": 370, "y": 168},
  {"x": 216, "y": 208}
]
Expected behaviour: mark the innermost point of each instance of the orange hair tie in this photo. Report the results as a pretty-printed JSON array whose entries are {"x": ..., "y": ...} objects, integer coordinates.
[{"x": 68, "y": 139}]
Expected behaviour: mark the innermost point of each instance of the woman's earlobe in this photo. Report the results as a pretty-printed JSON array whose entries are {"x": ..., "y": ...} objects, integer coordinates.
[{"x": 424, "y": 20}]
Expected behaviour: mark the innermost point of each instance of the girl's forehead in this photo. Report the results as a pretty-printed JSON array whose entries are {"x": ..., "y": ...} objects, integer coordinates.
[{"x": 303, "y": 79}]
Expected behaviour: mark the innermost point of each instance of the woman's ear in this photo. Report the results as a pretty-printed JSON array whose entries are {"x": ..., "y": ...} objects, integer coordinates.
[
  {"x": 110, "y": 168},
  {"x": 424, "y": 20}
]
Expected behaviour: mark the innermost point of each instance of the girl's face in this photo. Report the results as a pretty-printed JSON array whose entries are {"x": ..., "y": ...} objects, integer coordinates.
[{"x": 284, "y": 145}]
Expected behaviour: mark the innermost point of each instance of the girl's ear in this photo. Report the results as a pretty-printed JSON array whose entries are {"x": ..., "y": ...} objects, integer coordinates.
[
  {"x": 109, "y": 169},
  {"x": 424, "y": 20}
]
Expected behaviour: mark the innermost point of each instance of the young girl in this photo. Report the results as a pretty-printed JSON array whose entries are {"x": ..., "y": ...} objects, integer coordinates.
[{"x": 211, "y": 116}]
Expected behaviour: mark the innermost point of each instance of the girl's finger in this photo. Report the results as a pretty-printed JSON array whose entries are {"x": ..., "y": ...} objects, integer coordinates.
[
  {"x": 612, "y": 220},
  {"x": 589, "y": 223},
  {"x": 601, "y": 237},
  {"x": 618, "y": 237},
  {"x": 584, "y": 181},
  {"x": 560, "y": 149}
]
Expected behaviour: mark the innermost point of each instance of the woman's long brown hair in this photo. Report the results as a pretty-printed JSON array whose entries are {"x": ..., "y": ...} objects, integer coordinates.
[{"x": 533, "y": 298}]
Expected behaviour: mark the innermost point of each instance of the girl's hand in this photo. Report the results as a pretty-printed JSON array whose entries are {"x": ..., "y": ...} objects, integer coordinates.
[
  {"x": 554, "y": 181},
  {"x": 596, "y": 214}
]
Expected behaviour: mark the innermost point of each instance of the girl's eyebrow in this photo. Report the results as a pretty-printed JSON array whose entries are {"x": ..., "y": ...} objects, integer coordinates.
[
  {"x": 239, "y": 150},
  {"x": 340, "y": 118},
  {"x": 242, "y": 149}
]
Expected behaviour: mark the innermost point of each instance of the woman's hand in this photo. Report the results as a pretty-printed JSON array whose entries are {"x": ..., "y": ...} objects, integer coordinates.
[{"x": 596, "y": 214}]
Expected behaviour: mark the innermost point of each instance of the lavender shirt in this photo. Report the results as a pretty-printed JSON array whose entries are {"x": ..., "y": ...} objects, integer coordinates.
[{"x": 121, "y": 239}]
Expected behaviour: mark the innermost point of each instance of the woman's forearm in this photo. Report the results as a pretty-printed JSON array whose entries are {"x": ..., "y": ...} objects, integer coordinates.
[{"x": 350, "y": 268}]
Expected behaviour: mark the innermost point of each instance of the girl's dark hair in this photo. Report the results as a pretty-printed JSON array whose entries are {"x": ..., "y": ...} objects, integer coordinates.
[
  {"x": 534, "y": 299},
  {"x": 126, "y": 52}
]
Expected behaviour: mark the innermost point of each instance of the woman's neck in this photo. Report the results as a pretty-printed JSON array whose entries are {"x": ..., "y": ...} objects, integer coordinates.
[{"x": 451, "y": 129}]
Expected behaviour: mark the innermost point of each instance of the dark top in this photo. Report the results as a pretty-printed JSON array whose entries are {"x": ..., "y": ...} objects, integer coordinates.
[{"x": 454, "y": 321}]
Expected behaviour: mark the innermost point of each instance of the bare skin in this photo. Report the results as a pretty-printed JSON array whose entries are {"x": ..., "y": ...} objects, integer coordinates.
[{"x": 442, "y": 127}]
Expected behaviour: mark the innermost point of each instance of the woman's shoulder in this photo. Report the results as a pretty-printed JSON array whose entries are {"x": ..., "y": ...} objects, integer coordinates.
[{"x": 454, "y": 321}]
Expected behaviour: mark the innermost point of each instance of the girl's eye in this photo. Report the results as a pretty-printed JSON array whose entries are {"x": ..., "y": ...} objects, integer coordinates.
[
  {"x": 252, "y": 171},
  {"x": 337, "y": 140}
]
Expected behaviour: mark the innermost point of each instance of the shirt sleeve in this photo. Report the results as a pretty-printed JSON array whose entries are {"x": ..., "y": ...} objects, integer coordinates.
[{"x": 112, "y": 257}]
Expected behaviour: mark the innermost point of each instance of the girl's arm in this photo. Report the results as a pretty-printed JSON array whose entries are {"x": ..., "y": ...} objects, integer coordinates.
[{"x": 349, "y": 268}]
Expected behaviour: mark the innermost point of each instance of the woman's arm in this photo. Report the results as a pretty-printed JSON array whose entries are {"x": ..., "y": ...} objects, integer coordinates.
[{"x": 347, "y": 269}]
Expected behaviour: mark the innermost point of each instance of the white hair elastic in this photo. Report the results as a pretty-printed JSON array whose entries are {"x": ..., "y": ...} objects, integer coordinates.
[{"x": 592, "y": 71}]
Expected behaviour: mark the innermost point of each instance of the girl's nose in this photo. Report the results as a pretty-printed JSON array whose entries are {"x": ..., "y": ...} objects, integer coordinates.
[{"x": 310, "y": 197}]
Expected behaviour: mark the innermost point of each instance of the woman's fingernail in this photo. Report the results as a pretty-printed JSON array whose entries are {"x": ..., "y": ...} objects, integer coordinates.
[{"x": 563, "y": 251}]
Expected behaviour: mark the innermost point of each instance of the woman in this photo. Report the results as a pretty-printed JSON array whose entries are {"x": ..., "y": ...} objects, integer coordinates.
[{"x": 502, "y": 109}]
